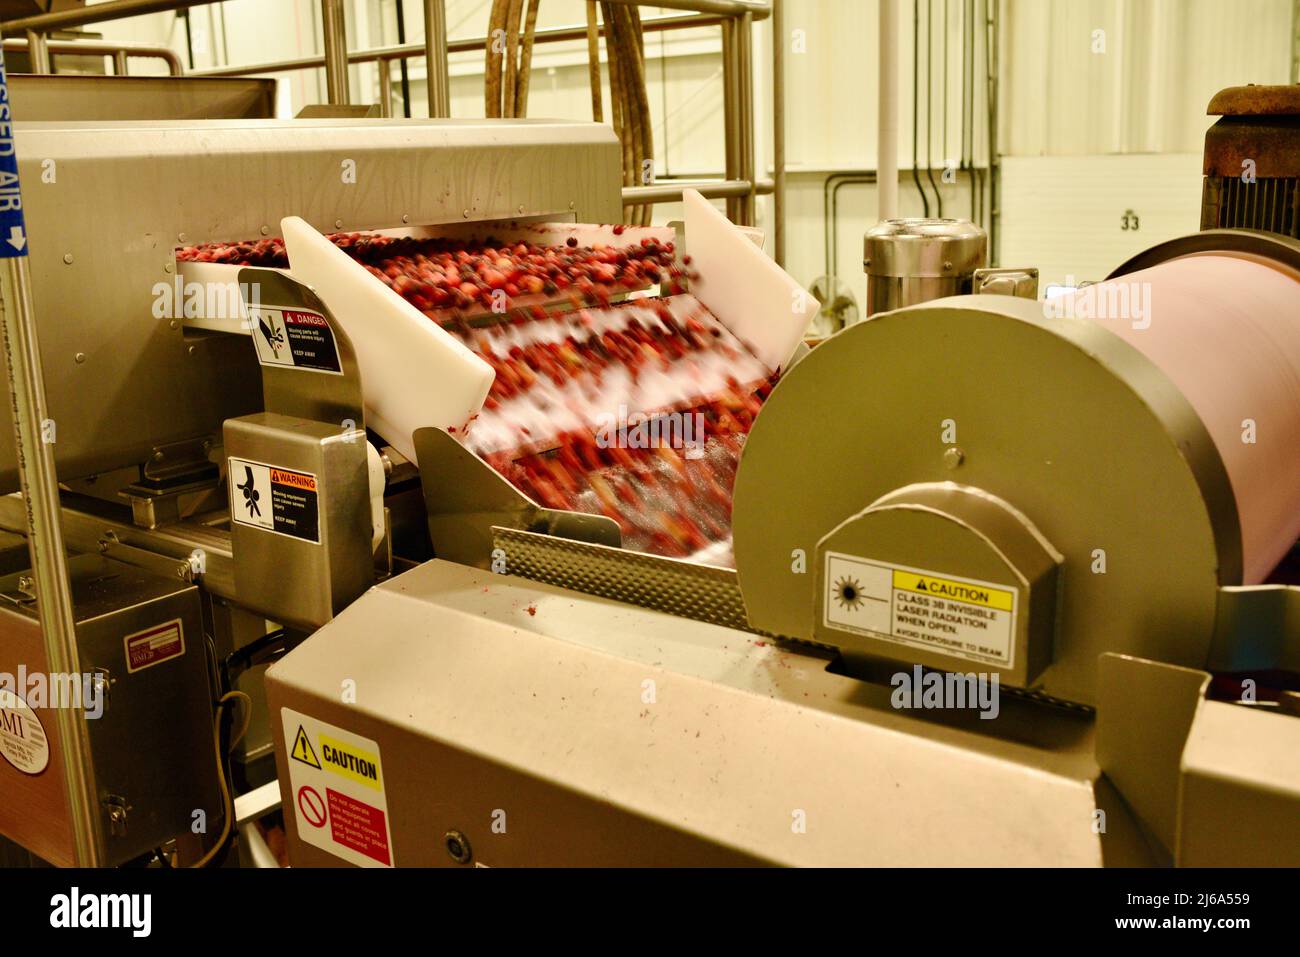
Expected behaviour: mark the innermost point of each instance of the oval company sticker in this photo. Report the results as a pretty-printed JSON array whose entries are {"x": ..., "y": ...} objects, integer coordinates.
[{"x": 22, "y": 736}]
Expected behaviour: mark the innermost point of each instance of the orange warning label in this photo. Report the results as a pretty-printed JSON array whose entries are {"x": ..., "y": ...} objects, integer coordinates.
[{"x": 295, "y": 479}]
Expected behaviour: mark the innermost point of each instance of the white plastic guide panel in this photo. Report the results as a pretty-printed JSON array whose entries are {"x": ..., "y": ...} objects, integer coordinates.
[
  {"x": 413, "y": 373},
  {"x": 753, "y": 297}
]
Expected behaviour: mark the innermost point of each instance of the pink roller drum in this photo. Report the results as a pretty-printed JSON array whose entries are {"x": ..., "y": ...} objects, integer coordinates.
[{"x": 1225, "y": 328}]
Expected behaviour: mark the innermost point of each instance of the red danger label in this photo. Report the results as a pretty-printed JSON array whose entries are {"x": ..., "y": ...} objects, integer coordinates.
[
  {"x": 305, "y": 319},
  {"x": 359, "y": 826},
  {"x": 153, "y": 646}
]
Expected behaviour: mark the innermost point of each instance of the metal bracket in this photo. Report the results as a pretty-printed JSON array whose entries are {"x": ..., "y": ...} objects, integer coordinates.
[
  {"x": 465, "y": 498},
  {"x": 112, "y": 547},
  {"x": 1006, "y": 281},
  {"x": 1257, "y": 628}
]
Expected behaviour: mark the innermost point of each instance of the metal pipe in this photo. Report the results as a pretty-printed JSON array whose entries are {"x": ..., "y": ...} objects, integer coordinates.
[
  {"x": 778, "y": 129},
  {"x": 435, "y": 57},
  {"x": 122, "y": 9},
  {"x": 969, "y": 96},
  {"x": 887, "y": 118},
  {"x": 727, "y": 8},
  {"x": 92, "y": 48},
  {"x": 403, "y": 68},
  {"x": 38, "y": 52},
  {"x": 991, "y": 39},
  {"x": 97, "y": 13},
  {"x": 119, "y": 63},
  {"x": 409, "y": 50},
  {"x": 830, "y": 186},
  {"x": 385, "y": 88},
  {"x": 730, "y": 119},
  {"x": 38, "y": 477},
  {"x": 91, "y": 526},
  {"x": 671, "y": 191},
  {"x": 745, "y": 91},
  {"x": 335, "y": 32},
  {"x": 835, "y": 215},
  {"x": 929, "y": 105},
  {"x": 40, "y": 485},
  {"x": 916, "y": 105}
]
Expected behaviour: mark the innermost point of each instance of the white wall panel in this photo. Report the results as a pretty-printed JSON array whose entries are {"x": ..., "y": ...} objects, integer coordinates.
[
  {"x": 1131, "y": 76},
  {"x": 1086, "y": 135},
  {"x": 1065, "y": 214}
]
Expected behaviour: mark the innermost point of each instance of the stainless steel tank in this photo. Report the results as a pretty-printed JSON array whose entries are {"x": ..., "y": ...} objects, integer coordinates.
[{"x": 909, "y": 261}]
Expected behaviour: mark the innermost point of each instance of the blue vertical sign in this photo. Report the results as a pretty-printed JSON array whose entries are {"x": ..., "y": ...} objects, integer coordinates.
[{"x": 13, "y": 231}]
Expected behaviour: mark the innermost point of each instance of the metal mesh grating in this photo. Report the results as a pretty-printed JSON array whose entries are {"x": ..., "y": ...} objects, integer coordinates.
[
  {"x": 700, "y": 592},
  {"x": 1270, "y": 203}
]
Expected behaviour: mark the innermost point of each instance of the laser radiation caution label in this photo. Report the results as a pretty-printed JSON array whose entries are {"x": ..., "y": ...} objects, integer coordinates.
[
  {"x": 293, "y": 339},
  {"x": 962, "y": 617},
  {"x": 336, "y": 782},
  {"x": 275, "y": 499}
]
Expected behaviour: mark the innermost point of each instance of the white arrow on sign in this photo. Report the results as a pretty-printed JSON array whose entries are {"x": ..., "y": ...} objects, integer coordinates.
[{"x": 16, "y": 238}]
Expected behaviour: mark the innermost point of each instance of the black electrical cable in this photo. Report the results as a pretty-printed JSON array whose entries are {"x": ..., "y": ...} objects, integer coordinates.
[
  {"x": 990, "y": 83},
  {"x": 970, "y": 72},
  {"x": 979, "y": 173},
  {"x": 929, "y": 105},
  {"x": 830, "y": 187},
  {"x": 916, "y": 106},
  {"x": 965, "y": 89},
  {"x": 189, "y": 37},
  {"x": 401, "y": 64}
]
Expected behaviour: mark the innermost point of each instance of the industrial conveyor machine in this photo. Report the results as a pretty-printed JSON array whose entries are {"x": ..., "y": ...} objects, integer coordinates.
[
  {"x": 1082, "y": 500},
  {"x": 1008, "y": 583}
]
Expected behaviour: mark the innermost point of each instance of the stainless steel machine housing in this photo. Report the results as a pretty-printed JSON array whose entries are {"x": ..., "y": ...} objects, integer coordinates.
[{"x": 108, "y": 203}]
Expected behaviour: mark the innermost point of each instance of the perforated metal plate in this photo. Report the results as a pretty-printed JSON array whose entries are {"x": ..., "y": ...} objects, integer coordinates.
[{"x": 701, "y": 592}]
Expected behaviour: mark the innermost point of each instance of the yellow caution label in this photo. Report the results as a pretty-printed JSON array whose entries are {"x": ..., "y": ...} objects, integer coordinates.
[
  {"x": 982, "y": 595},
  {"x": 350, "y": 762},
  {"x": 302, "y": 750}
]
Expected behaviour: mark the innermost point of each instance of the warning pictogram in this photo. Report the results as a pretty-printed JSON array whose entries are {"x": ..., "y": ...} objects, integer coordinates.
[
  {"x": 276, "y": 499},
  {"x": 312, "y": 806},
  {"x": 302, "y": 749},
  {"x": 293, "y": 339}
]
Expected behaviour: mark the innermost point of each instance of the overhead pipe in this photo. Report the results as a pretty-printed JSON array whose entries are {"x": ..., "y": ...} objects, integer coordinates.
[
  {"x": 916, "y": 104},
  {"x": 887, "y": 113}
]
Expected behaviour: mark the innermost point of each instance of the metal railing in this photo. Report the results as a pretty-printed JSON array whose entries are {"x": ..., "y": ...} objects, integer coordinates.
[
  {"x": 736, "y": 19},
  {"x": 120, "y": 52},
  {"x": 738, "y": 183}
]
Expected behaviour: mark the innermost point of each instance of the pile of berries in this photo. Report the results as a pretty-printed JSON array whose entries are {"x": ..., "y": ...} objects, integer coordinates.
[
  {"x": 559, "y": 373},
  {"x": 445, "y": 274},
  {"x": 666, "y": 501}
]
